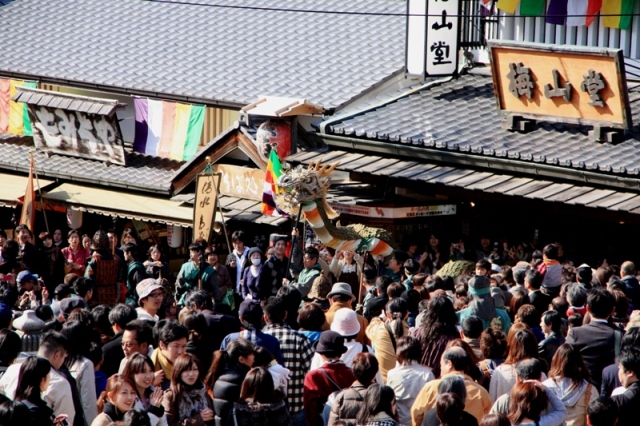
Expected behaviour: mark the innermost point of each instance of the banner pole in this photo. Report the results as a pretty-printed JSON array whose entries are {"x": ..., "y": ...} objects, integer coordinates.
[{"x": 44, "y": 213}]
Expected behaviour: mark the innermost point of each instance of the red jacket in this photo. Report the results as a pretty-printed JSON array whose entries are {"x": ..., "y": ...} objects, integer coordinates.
[{"x": 318, "y": 387}]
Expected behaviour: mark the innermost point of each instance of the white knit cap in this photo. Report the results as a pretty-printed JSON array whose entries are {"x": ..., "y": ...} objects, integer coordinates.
[{"x": 345, "y": 322}]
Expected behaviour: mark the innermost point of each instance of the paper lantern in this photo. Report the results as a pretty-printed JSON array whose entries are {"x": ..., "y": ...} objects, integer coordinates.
[
  {"x": 273, "y": 134},
  {"x": 174, "y": 236},
  {"x": 74, "y": 218}
]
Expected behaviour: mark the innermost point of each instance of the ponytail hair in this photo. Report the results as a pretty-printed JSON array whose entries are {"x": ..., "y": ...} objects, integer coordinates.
[
  {"x": 227, "y": 359},
  {"x": 114, "y": 384},
  {"x": 397, "y": 309}
]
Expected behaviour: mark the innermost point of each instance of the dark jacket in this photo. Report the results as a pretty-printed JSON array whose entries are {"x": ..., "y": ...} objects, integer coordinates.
[
  {"x": 261, "y": 414},
  {"x": 548, "y": 347},
  {"x": 226, "y": 392},
  {"x": 30, "y": 258},
  {"x": 40, "y": 414},
  {"x": 628, "y": 405},
  {"x": 347, "y": 404},
  {"x": 233, "y": 271},
  {"x": 113, "y": 355},
  {"x": 632, "y": 289},
  {"x": 273, "y": 272},
  {"x": 540, "y": 301},
  {"x": 596, "y": 343},
  {"x": 610, "y": 380},
  {"x": 136, "y": 272},
  {"x": 374, "y": 306},
  {"x": 218, "y": 327}
]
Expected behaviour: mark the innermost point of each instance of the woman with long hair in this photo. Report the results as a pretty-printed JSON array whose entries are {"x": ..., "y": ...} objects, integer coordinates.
[
  {"x": 551, "y": 326},
  {"x": 75, "y": 255},
  {"x": 379, "y": 407},
  {"x": 522, "y": 344},
  {"x": 13, "y": 412},
  {"x": 259, "y": 405},
  {"x": 139, "y": 370},
  {"x": 493, "y": 344},
  {"x": 437, "y": 330},
  {"x": 10, "y": 347},
  {"x": 33, "y": 379},
  {"x": 225, "y": 377},
  {"x": 155, "y": 266},
  {"x": 114, "y": 402},
  {"x": 186, "y": 401},
  {"x": 569, "y": 380},
  {"x": 384, "y": 334},
  {"x": 81, "y": 368},
  {"x": 528, "y": 401}
]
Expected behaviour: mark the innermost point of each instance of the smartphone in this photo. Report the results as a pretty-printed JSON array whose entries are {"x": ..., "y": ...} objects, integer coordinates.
[{"x": 63, "y": 422}]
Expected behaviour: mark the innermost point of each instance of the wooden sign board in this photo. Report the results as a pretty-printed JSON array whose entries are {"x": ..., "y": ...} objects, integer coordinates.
[
  {"x": 241, "y": 182},
  {"x": 560, "y": 83},
  {"x": 205, "y": 205}
]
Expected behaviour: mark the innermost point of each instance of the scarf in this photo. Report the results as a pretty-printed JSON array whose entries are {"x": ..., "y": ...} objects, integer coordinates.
[
  {"x": 114, "y": 414},
  {"x": 193, "y": 401},
  {"x": 161, "y": 362}
]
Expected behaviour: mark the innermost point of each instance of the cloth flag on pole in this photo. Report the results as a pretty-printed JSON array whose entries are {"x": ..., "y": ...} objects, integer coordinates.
[
  {"x": 167, "y": 129},
  {"x": 508, "y": 6},
  {"x": 28, "y": 216},
  {"x": 13, "y": 115},
  {"x": 617, "y": 13},
  {"x": 487, "y": 8},
  {"x": 274, "y": 171}
]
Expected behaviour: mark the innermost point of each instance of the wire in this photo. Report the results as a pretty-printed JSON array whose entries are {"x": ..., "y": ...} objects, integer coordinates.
[{"x": 344, "y": 12}]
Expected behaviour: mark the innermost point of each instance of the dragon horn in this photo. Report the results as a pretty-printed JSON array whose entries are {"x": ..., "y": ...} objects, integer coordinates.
[{"x": 328, "y": 168}]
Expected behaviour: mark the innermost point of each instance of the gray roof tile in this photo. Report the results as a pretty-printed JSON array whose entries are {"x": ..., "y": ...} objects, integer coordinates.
[
  {"x": 461, "y": 116},
  {"x": 228, "y": 55}
]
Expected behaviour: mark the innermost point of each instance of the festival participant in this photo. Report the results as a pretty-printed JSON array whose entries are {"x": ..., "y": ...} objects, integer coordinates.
[
  {"x": 186, "y": 402},
  {"x": 75, "y": 255},
  {"x": 118, "y": 398},
  {"x": 172, "y": 342},
  {"x": 150, "y": 295},
  {"x": 196, "y": 274},
  {"x": 259, "y": 404}
]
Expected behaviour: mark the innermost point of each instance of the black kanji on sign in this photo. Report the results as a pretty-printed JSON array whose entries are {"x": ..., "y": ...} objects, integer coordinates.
[
  {"x": 444, "y": 23},
  {"x": 592, "y": 83},
  {"x": 441, "y": 50},
  {"x": 520, "y": 82},
  {"x": 558, "y": 92}
]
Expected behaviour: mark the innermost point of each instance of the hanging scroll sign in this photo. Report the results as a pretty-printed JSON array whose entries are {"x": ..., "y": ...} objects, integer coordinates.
[{"x": 204, "y": 209}]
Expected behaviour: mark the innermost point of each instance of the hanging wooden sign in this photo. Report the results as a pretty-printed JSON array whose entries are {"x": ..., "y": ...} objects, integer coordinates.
[{"x": 204, "y": 209}]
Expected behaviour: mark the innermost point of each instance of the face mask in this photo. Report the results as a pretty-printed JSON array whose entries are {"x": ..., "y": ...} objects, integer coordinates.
[{"x": 256, "y": 262}]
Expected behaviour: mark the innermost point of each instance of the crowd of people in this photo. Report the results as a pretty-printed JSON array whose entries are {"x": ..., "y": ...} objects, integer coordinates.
[{"x": 311, "y": 336}]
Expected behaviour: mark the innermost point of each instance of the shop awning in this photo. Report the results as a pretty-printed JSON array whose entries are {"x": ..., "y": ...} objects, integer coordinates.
[
  {"x": 12, "y": 188},
  {"x": 121, "y": 204},
  {"x": 476, "y": 180}
]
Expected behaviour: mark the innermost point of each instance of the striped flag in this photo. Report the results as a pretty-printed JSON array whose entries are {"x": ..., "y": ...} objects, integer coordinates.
[
  {"x": 13, "y": 115},
  {"x": 274, "y": 171},
  {"x": 620, "y": 13},
  {"x": 167, "y": 129}
]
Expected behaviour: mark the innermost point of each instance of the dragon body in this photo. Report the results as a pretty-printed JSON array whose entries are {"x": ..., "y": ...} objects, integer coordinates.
[{"x": 306, "y": 189}]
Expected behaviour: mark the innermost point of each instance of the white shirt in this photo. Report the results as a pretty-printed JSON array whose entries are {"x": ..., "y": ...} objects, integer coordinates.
[
  {"x": 407, "y": 382},
  {"x": 144, "y": 315},
  {"x": 353, "y": 348},
  {"x": 239, "y": 264},
  {"x": 57, "y": 396}
]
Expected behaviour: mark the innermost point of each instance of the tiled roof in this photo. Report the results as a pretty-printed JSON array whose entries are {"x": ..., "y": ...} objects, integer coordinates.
[
  {"x": 225, "y": 55},
  {"x": 142, "y": 172},
  {"x": 461, "y": 116}
]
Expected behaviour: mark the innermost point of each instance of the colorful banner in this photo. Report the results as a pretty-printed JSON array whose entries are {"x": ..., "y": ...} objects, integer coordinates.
[
  {"x": 14, "y": 117},
  {"x": 532, "y": 7},
  {"x": 619, "y": 13},
  {"x": 557, "y": 12},
  {"x": 508, "y": 6},
  {"x": 274, "y": 171},
  {"x": 576, "y": 12},
  {"x": 592, "y": 11},
  {"x": 167, "y": 129}
]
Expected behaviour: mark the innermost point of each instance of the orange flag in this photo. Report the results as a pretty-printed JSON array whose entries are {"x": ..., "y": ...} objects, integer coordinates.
[{"x": 28, "y": 215}]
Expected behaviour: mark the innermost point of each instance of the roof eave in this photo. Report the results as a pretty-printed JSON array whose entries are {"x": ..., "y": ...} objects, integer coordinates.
[{"x": 492, "y": 163}]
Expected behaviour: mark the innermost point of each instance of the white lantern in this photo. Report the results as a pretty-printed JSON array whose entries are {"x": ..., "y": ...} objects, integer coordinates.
[
  {"x": 174, "y": 236},
  {"x": 74, "y": 218}
]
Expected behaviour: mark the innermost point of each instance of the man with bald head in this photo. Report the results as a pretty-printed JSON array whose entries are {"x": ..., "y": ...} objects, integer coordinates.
[
  {"x": 628, "y": 275},
  {"x": 454, "y": 361}
]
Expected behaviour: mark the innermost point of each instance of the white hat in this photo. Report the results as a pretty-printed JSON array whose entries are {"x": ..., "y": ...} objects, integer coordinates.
[
  {"x": 28, "y": 322},
  {"x": 345, "y": 322}
]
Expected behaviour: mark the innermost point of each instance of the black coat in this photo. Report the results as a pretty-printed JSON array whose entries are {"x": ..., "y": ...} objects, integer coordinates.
[
  {"x": 610, "y": 380},
  {"x": 113, "y": 354},
  {"x": 632, "y": 290},
  {"x": 628, "y": 405},
  {"x": 540, "y": 301},
  {"x": 548, "y": 347},
  {"x": 226, "y": 391},
  {"x": 40, "y": 414},
  {"x": 218, "y": 327},
  {"x": 596, "y": 343}
]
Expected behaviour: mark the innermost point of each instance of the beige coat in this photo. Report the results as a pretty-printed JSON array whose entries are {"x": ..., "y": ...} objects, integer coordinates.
[{"x": 382, "y": 344}]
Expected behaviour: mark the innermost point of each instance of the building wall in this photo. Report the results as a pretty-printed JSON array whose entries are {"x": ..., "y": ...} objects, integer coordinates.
[{"x": 216, "y": 119}]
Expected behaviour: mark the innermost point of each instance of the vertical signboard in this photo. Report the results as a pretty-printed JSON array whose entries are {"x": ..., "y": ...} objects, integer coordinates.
[
  {"x": 433, "y": 37},
  {"x": 204, "y": 209}
]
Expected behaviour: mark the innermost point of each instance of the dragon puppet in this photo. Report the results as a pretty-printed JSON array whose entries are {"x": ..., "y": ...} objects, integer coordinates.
[{"x": 306, "y": 188}]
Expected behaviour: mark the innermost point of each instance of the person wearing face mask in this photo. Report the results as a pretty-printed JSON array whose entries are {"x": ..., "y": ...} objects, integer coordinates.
[
  {"x": 251, "y": 275},
  {"x": 115, "y": 401},
  {"x": 139, "y": 370}
]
